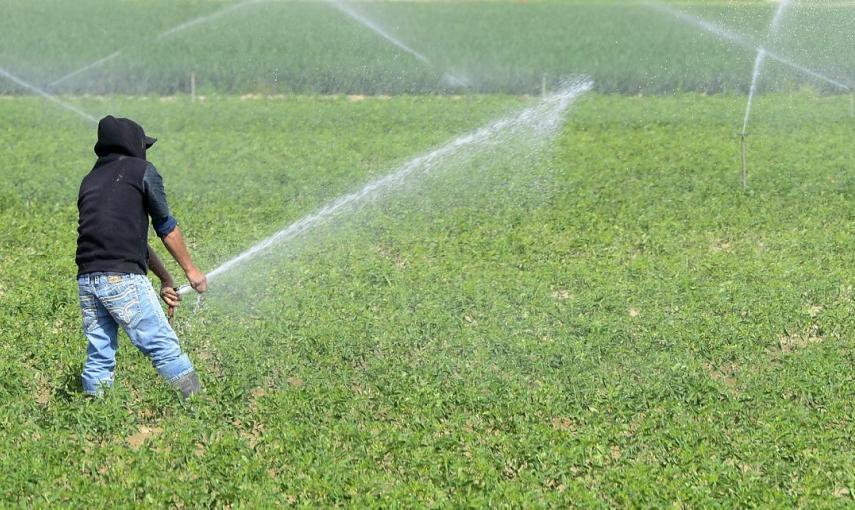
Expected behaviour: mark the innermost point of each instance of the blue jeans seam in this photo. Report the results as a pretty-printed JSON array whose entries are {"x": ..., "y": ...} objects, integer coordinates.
[{"x": 155, "y": 303}]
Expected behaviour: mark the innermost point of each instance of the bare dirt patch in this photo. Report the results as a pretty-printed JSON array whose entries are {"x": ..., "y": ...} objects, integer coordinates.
[
  {"x": 43, "y": 392},
  {"x": 842, "y": 492},
  {"x": 721, "y": 246},
  {"x": 144, "y": 433},
  {"x": 563, "y": 423},
  {"x": 725, "y": 374},
  {"x": 791, "y": 343},
  {"x": 562, "y": 295}
]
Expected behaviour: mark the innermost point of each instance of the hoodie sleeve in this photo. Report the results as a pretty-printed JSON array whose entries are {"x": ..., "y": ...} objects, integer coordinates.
[{"x": 155, "y": 202}]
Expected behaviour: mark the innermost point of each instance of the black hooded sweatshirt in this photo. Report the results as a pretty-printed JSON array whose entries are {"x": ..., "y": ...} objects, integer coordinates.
[{"x": 115, "y": 201}]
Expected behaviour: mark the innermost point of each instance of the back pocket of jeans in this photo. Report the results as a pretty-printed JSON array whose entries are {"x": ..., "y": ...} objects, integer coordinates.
[{"x": 123, "y": 304}]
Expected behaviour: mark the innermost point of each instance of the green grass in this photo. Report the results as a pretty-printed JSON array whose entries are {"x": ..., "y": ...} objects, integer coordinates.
[
  {"x": 626, "y": 327},
  {"x": 501, "y": 46}
]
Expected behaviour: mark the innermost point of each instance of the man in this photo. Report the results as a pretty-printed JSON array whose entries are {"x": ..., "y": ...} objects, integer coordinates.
[{"x": 115, "y": 202}]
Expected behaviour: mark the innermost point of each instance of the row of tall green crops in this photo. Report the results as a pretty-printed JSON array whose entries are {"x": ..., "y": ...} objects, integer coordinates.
[{"x": 500, "y": 46}]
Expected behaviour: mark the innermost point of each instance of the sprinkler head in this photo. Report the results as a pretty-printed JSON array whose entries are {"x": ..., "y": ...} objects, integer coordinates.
[{"x": 170, "y": 311}]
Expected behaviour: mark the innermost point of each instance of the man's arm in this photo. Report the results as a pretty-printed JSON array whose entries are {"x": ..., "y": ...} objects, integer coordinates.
[
  {"x": 157, "y": 267},
  {"x": 167, "y": 285},
  {"x": 174, "y": 242},
  {"x": 167, "y": 229}
]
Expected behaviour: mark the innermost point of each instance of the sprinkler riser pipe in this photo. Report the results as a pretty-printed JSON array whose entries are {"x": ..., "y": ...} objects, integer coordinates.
[{"x": 744, "y": 160}]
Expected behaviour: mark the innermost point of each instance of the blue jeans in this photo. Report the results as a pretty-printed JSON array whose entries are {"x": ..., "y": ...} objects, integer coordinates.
[{"x": 128, "y": 300}]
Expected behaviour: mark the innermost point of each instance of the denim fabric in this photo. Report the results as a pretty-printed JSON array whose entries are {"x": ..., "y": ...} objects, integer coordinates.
[{"x": 127, "y": 300}]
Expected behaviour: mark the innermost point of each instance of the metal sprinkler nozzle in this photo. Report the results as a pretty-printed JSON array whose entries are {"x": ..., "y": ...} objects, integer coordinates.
[
  {"x": 184, "y": 289},
  {"x": 170, "y": 311}
]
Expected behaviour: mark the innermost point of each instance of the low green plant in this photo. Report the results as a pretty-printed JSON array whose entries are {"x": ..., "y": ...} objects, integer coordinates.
[{"x": 640, "y": 332}]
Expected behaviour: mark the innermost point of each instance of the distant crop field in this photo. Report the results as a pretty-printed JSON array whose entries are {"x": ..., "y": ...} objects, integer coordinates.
[
  {"x": 613, "y": 322},
  {"x": 494, "y": 295},
  {"x": 502, "y": 46}
]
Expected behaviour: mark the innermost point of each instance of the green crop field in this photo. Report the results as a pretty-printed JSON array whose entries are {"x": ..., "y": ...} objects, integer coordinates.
[
  {"x": 500, "y": 46},
  {"x": 599, "y": 317},
  {"x": 640, "y": 330}
]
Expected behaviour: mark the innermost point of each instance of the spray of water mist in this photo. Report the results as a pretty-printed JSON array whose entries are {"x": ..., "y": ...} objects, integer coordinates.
[
  {"x": 49, "y": 97},
  {"x": 166, "y": 33},
  {"x": 385, "y": 34},
  {"x": 755, "y": 79},
  {"x": 761, "y": 57},
  {"x": 538, "y": 122},
  {"x": 87, "y": 67},
  {"x": 744, "y": 42}
]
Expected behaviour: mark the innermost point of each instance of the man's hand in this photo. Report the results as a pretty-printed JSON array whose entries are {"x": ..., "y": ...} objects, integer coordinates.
[
  {"x": 170, "y": 296},
  {"x": 198, "y": 280},
  {"x": 174, "y": 242}
]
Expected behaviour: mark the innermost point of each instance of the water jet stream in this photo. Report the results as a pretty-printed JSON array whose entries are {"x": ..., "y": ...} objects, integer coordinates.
[
  {"x": 758, "y": 62},
  {"x": 205, "y": 18},
  {"x": 744, "y": 42},
  {"x": 87, "y": 67},
  {"x": 166, "y": 33},
  {"x": 379, "y": 30},
  {"x": 755, "y": 77},
  {"x": 542, "y": 119},
  {"x": 49, "y": 97}
]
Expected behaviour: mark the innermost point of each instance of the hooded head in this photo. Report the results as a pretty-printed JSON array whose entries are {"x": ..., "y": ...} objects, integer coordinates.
[{"x": 122, "y": 136}]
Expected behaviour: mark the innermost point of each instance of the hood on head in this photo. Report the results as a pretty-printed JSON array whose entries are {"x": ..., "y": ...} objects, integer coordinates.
[{"x": 121, "y": 136}]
